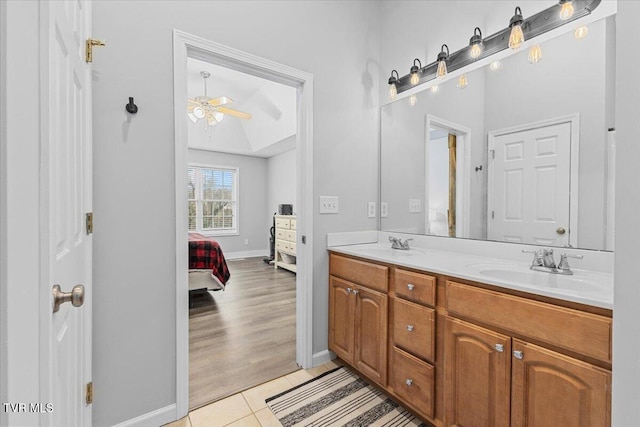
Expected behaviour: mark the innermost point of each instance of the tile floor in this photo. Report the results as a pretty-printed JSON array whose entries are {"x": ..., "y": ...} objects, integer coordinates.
[{"x": 248, "y": 409}]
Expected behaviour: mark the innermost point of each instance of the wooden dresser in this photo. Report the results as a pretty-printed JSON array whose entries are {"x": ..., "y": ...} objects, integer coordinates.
[{"x": 285, "y": 251}]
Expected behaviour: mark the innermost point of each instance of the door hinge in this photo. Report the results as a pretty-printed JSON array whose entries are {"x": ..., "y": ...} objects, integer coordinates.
[
  {"x": 304, "y": 240},
  {"x": 89, "y": 393},
  {"x": 493, "y": 154},
  {"x": 89, "y": 222},
  {"x": 89, "y": 51}
]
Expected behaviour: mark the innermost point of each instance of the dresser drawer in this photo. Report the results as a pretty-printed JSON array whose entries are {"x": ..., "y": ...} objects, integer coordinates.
[
  {"x": 283, "y": 223},
  {"x": 363, "y": 273},
  {"x": 415, "y": 286},
  {"x": 292, "y": 224},
  {"x": 282, "y": 245},
  {"x": 413, "y": 380},
  {"x": 290, "y": 235},
  {"x": 292, "y": 247},
  {"x": 585, "y": 333},
  {"x": 280, "y": 233},
  {"x": 414, "y": 328}
]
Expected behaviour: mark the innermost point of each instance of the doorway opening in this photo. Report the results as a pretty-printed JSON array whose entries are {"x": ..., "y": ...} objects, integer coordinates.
[{"x": 245, "y": 261}]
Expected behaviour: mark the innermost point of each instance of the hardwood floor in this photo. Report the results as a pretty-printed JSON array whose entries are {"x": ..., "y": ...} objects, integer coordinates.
[{"x": 243, "y": 336}]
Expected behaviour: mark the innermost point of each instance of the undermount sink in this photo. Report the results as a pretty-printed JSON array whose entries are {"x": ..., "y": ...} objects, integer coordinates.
[
  {"x": 388, "y": 252},
  {"x": 525, "y": 276}
]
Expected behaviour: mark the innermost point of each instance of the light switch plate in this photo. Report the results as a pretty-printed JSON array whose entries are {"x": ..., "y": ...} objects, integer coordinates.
[
  {"x": 371, "y": 209},
  {"x": 329, "y": 204},
  {"x": 383, "y": 209},
  {"x": 415, "y": 205}
]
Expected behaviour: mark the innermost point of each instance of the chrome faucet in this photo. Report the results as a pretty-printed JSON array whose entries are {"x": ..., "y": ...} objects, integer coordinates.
[
  {"x": 543, "y": 261},
  {"x": 398, "y": 244}
]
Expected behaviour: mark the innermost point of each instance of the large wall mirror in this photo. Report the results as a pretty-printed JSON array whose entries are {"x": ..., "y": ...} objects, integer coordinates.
[{"x": 519, "y": 151}]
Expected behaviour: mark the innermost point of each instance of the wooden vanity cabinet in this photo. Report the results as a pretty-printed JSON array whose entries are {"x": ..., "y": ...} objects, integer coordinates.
[
  {"x": 500, "y": 379},
  {"x": 358, "y": 318}
]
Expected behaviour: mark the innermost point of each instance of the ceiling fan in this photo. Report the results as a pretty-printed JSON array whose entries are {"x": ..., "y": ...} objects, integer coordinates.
[{"x": 211, "y": 109}]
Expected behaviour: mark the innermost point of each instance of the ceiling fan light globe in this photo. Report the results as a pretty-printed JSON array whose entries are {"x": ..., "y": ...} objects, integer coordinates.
[
  {"x": 192, "y": 117},
  {"x": 218, "y": 116},
  {"x": 198, "y": 112}
]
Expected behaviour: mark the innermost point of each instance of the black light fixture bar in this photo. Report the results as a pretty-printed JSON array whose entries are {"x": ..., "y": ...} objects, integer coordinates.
[{"x": 540, "y": 23}]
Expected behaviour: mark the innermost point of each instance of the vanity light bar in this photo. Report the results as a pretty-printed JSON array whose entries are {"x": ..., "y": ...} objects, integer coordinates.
[{"x": 540, "y": 23}]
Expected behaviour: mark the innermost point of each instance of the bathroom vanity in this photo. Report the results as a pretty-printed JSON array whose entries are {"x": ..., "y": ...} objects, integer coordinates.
[{"x": 467, "y": 340}]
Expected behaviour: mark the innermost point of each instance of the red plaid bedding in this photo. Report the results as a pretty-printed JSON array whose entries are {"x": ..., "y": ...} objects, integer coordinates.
[{"x": 205, "y": 253}]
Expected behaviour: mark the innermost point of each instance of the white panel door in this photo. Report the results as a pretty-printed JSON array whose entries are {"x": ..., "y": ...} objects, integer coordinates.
[
  {"x": 65, "y": 200},
  {"x": 529, "y": 181}
]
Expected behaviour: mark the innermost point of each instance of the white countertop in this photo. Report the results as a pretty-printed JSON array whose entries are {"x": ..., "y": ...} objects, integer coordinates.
[{"x": 585, "y": 287}]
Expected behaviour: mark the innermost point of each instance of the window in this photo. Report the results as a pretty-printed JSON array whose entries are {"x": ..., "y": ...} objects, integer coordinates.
[{"x": 213, "y": 199}]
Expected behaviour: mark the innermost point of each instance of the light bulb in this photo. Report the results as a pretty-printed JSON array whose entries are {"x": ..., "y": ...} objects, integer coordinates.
[
  {"x": 434, "y": 88},
  {"x": 413, "y": 100},
  {"x": 494, "y": 65},
  {"x": 198, "y": 112},
  {"x": 442, "y": 69},
  {"x": 517, "y": 37},
  {"x": 476, "y": 50},
  {"x": 414, "y": 78},
  {"x": 462, "y": 81},
  {"x": 535, "y": 54},
  {"x": 581, "y": 32},
  {"x": 566, "y": 11},
  {"x": 393, "y": 92}
]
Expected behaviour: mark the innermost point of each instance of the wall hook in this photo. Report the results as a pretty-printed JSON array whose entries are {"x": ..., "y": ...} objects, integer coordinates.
[{"x": 131, "y": 107}]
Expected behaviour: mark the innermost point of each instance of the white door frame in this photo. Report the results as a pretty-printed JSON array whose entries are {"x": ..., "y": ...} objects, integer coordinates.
[
  {"x": 188, "y": 45},
  {"x": 463, "y": 175},
  {"x": 574, "y": 122}
]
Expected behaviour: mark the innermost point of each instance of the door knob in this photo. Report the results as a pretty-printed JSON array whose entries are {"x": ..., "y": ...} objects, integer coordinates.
[
  {"x": 560, "y": 230},
  {"x": 76, "y": 296}
]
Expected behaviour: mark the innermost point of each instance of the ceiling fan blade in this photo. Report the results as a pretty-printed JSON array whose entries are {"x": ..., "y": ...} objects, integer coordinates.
[
  {"x": 221, "y": 100},
  {"x": 234, "y": 113}
]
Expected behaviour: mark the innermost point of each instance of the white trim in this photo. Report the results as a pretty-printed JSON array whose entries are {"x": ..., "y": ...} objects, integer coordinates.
[
  {"x": 574, "y": 122},
  {"x": 247, "y": 254},
  {"x": 323, "y": 357},
  {"x": 463, "y": 173},
  {"x": 187, "y": 45},
  {"x": 155, "y": 418},
  {"x": 3, "y": 210}
]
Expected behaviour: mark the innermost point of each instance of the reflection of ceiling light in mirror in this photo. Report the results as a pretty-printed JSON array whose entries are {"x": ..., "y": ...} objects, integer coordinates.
[
  {"x": 567, "y": 10},
  {"x": 581, "y": 32},
  {"x": 434, "y": 88},
  {"x": 494, "y": 65},
  {"x": 535, "y": 54},
  {"x": 413, "y": 99},
  {"x": 462, "y": 81}
]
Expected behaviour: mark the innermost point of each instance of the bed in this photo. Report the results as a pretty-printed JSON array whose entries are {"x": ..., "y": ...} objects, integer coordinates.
[{"x": 207, "y": 266}]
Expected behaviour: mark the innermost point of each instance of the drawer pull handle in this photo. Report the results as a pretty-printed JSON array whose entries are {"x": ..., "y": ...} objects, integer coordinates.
[
  {"x": 409, "y": 382},
  {"x": 518, "y": 355},
  {"x": 410, "y": 328},
  {"x": 410, "y": 286},
  {"x": 499, "y": 348},
  {"x": 349, "y": 290}
]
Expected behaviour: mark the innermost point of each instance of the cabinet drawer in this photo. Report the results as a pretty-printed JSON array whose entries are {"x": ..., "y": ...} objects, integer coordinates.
[
  {"x": 290, "y": 235},
  {"x": 281, "y": 245},
  {"x": 363, "y": 273},
  {"x": 585, "y": 333},
  {"x": 292, "y": 247},
  {"x": 413, "y": 380},
  {"x": 280, "y": 233},
  {"x": 414, "y": 328},
  {"x": 292, "y": 224},
  {"x": 283, "y": 223},
  {"x": 415, "y": 286}
]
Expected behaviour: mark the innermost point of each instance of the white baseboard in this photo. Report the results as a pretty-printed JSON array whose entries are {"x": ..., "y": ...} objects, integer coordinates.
[
  {"x": 247, "y": 254},
  {"x": 322, "y": 357},
  {"x": 155, "y": 418}
]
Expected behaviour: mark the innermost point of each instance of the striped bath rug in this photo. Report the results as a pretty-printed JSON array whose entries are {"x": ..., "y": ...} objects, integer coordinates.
[{"x": 338, "y": 398}]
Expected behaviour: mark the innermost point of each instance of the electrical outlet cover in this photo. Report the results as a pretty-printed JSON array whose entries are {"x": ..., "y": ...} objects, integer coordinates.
[{"x": 371, "y": 209}]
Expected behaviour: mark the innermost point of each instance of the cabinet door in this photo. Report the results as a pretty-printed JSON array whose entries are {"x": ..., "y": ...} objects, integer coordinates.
[
  {"x": 371, "y": 334},
  {"x": 477, "y": 376},
  {"x": 550, "y": 389},
  {"x": 341, "y": 318}
]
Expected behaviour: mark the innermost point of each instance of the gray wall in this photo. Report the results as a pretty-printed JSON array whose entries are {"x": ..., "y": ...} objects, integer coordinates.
[
  {"x": 254, "y": 220},
  {"x": 134, "y": 244},
  {"x": 281, "y": 188}
]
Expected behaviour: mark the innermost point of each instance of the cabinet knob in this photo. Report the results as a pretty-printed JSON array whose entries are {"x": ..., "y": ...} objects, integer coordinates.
[
  {"x": 349, "y": 290},
  {"x": 355, "y": 291},
  {"x": 409, "y": 382},
  {"x": 518, "y": 355},
  {"x": 410, "y": 328},
  {"x": 410, "y": 286},
  {"x": 499, "y": 348}
]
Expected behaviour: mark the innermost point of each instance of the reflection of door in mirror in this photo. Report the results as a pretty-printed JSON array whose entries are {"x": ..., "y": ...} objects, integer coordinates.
[
  {"x": 529, "y": 178},
  {"x": 441, "y": 200}
]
